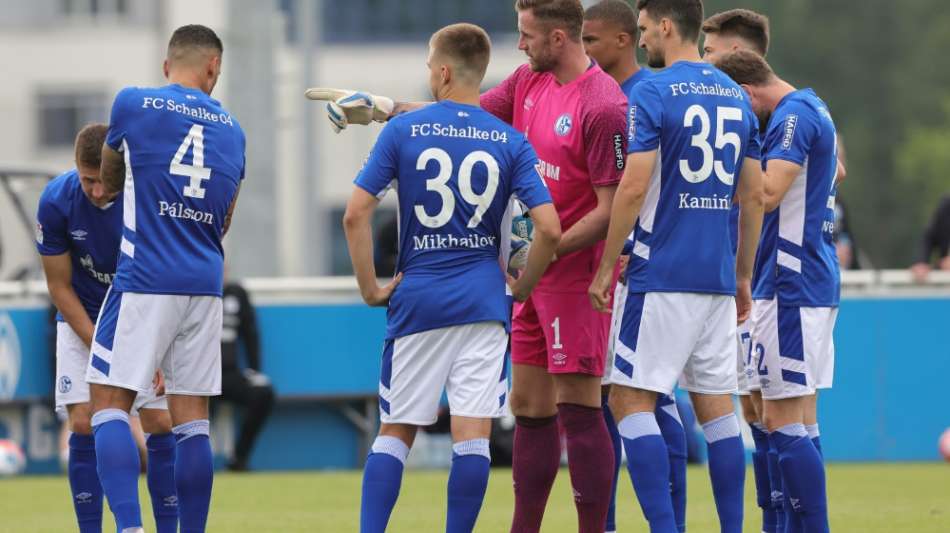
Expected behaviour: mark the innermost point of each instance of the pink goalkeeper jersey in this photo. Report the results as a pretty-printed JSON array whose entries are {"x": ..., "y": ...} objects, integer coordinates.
[{"x": 578, "y": 131}]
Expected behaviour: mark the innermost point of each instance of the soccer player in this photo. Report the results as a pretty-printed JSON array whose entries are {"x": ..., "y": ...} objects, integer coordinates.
[
  {"x": 78, "y": 227},
  {"x": 574, "y": 116},
  {"x": 458, "y": 169},
  {"x": 795, "y": 329},
  {"x": 723, "y": 33},
  {"x": 610, "y": 38},
  {"x": 180, "y": 156},
  {"x": 693, "y": 146}
]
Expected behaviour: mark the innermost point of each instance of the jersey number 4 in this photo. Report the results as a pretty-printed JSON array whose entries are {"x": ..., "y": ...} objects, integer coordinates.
[
  {"x": 196, "y": 171},
  {"x": 439, "y": 184},
  {"x": 701, "y": 141}
]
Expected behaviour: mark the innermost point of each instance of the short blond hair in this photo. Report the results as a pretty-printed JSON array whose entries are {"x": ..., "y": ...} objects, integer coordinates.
[{"x": 466, "y": 46}]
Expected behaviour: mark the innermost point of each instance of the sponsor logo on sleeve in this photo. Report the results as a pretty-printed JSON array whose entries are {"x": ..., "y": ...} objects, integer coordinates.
[
  {"x": 791, "y": 122},
  {"x": 618, "y": 150},
  {"x": 632, "y": 124}
]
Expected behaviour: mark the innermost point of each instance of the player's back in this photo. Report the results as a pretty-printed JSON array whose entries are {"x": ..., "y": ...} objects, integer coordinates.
[
  {"x": 456, "y": 169},
  {"x": 700, "y": 122},
  {"x": 184, "y": 158},
  {"x": 802, "y": 131}
]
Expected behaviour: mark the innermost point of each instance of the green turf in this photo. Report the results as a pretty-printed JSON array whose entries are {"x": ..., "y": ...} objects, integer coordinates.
[{"x": 895, "y": 498}]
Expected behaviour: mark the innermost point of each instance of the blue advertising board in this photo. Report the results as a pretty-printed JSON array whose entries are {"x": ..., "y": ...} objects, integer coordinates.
[{"x": 887, "y": 403}]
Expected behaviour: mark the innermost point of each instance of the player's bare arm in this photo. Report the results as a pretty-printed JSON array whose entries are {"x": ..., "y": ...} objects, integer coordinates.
[
  {"x": 227, "y": 218},
  {"x": 359, "y": 239},
  {"x": 592, "y": 228},
  {"x": 841, "y": 174},
  {"x": 59, "y": 274},
  {"x": 779, "y": 176},
  {"x": 112, "y": 171},
  {"x": 626, "y": 208},
  {"x": 547, "y": 234},
  {"x": 751, "y": 209}
]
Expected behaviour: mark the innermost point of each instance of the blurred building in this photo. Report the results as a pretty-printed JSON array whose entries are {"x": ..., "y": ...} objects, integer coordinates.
[{"x": 65, "y": 60}]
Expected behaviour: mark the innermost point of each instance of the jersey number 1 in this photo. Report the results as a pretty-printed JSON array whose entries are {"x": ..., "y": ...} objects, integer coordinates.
[{"x": 196, "y": 170}]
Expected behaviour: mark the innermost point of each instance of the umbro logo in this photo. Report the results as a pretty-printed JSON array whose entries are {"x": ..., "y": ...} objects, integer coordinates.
[
  {"x": 171, "y": 501},
  {"x": 560, "y": 359},
  {"x": 84, "y": 497},
  {"x": 79, "y": 234}
]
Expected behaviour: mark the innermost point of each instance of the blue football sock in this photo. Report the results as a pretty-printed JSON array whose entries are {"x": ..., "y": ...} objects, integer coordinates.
[
  {"x": 618, "y": 457},
  {"x": 671, "y": 427},
  {"x": 161, "y": 481},
  {"x": 84, "y": 483},
  {"x": 760, "y": 468},
  {"x": 649, "y": 466},
  {"x": 726, "y": 470},
  {"x": 804, "y": 476},
  {"x": 194, "y": 474},
  {"x": 382, "y": 477},
  {"x": 468, "y": 480},
  {"x": 117, "y": 459},
  {"x": 815, "y": 437},
  {"x": 778, "y": 490}
]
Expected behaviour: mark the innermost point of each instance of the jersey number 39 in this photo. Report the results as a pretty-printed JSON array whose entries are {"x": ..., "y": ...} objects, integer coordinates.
[{"x": 439, "y": 184}]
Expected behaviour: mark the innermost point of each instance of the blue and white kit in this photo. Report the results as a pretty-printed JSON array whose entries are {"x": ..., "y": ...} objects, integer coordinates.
[
  {"x": 67, "y": 222},
  {"x": 679, "y": 320},
  {"x": 184, "y": 162},
  {"x": 620, "y": 291},
  {"x": 457, "y": 170},
  {"x": 794, "y": 328}
]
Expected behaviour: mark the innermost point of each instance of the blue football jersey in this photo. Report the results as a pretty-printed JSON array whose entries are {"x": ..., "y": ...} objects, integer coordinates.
[
  {"x": 763, "y": 280},
  {"x": 806, "y": 272},
  {"x": 627, "y": 87},
  {"x": 67, "y": 222},
  {"x": 456, "y": 170},
  {"x": 184, "y": 158},
  {"x": 702, "y": 126},
  {"x": 631, "y": 82}
]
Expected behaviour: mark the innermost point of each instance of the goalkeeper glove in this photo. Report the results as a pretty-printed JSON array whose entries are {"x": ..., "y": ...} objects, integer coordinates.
[
  {"x": 345, "y": 106},
  {"x": 522, "y": 233}
]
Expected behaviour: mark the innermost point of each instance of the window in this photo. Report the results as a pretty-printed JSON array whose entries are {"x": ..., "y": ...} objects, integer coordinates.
[
  {"x": 63, "y": 113},
  {"x": 94, "y": 8},
  {"x": 403, "y": 20}
]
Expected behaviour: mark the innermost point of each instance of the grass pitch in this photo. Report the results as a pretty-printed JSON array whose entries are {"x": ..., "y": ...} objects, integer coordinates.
[{"x": 878, "y": 498}]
